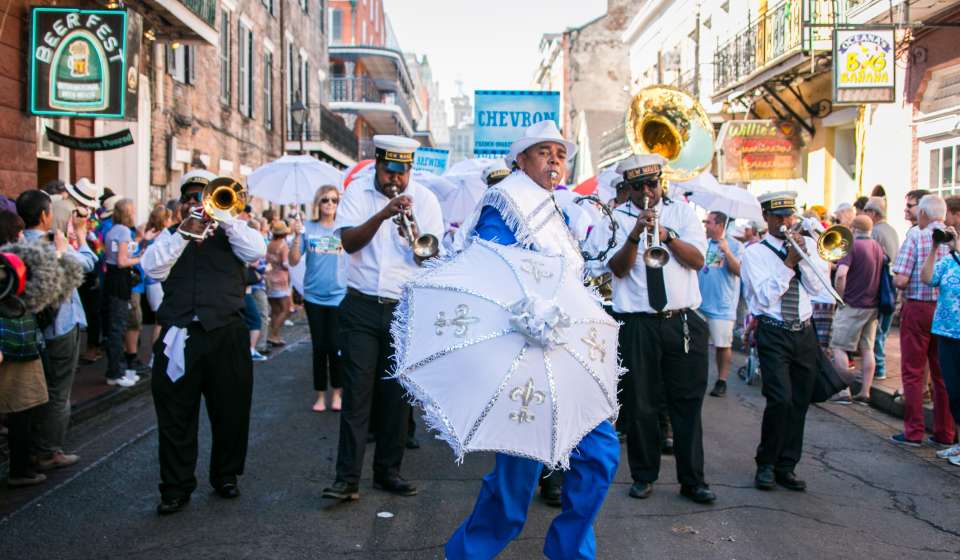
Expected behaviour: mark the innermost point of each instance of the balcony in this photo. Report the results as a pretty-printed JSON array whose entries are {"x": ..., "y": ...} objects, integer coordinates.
[
  {"x": 381, "y": 103},
  {"x": 324, "y": 131},
  {"x": 779, "y": 37},
  {"x": 179, "y": 20}
]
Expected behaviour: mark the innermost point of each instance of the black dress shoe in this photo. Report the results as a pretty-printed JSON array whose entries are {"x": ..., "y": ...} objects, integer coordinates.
[
  {"x": 172, "y": 505},
  {"x": 396, "y": 486},
  {"x": 700, "y": 494},
  {"x": 641, "y": 490},
  {"x": 413, "y": 443},
  {"x": 790, "y": 481},
  {"x": 228, "y": 490},
  {"x": 551, "y": 495},
  {"x": 342, "y": 491},
  {"x": 765, "y": 480},
  {"x": 719, "y": 388},
  {"x": 666, "y": 446}
]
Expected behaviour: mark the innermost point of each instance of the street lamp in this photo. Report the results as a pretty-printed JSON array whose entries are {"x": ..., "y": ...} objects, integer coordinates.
[{"x": 298, "y": 114}]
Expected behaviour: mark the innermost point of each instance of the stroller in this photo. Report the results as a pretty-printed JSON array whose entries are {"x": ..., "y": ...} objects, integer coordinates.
[{"x": 750, "y": 372}]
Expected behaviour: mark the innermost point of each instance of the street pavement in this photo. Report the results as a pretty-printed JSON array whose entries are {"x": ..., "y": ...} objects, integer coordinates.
[{"x": 866, "y": 498}]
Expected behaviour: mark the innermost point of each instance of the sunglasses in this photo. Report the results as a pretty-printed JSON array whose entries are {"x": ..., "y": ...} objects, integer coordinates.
[
  {"x": 329, "y": 200},
  {"x": 195, "y": 197},
  {"x": 649, "y": 184}
]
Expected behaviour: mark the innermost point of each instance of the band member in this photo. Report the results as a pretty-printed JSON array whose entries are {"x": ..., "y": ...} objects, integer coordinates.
[
  {"x": 203, "y": 347},
  {"x": 778, "y": 285},
  {"x": 524, "y": 200},
  {"x": 381, "y": 261},
  {"x": 663, "y": 341},
  {"x": 494, "y": 173}
]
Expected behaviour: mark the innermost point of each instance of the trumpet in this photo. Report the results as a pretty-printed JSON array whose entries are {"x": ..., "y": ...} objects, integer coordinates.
[
  {"x": 426, "y": 246},
  {"x": 654, "y": 256},
  {"x": 832, "y": 245}
]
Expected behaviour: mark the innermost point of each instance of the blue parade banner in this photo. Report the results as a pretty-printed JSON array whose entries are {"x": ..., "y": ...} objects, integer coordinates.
[
  {"x": 502, "y": 116},
  {"x": 431, "y": 160}
]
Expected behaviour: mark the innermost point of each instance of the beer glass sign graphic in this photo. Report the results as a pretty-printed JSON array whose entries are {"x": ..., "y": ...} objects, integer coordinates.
[{"x": 79, "y": 76}]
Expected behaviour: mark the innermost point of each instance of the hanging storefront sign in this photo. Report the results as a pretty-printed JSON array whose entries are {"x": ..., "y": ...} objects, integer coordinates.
[
  {"x": 863, "y": 66},
  {"x": 431, "y": 160},
  {"x": 78, "y": 64},
  {"x": 106, "y": 142},
  {"x": 759, "y": 149},
  {"x": 502, "y": 116}
]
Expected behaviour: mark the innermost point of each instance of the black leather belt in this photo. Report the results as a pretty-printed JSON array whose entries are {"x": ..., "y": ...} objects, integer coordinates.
[
  {"x": 794, "y": 326},
  {"x": 660, "y": 314},
  {"x": 374, "y": 299}
]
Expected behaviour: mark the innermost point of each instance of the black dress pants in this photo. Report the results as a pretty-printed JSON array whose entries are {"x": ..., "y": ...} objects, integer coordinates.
[
  {"x": 219, "y": 368},
  {"x": 325, "y": 340},
  {"x": 19, "y": 439},
  {"x": 788, "y": 363},
  {"x": 367, "y": 362},
  {"x": 658, "y": 371}
]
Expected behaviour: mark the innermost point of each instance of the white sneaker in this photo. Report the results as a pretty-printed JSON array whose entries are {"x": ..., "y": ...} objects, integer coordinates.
[
  {"x": 257, "y": 356},
  {"x": 121, "y": 382},
  {"x": 955, "y": 460},
  {"x": 131, "y": 374},
  {"x": 952, "y": 451},
  {"x": 287, "y": 323}
]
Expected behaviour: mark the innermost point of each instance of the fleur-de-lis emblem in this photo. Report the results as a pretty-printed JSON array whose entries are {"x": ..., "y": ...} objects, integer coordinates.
[
  {"x": 535, "y": 268},
  {"x": 592, "y": 340},
  {"x": 526, "y": 394},
  {"x": 461, "y": 321}
]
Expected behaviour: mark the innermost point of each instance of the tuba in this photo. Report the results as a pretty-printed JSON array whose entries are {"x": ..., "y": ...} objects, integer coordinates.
[{"x": 223, "y": 198}]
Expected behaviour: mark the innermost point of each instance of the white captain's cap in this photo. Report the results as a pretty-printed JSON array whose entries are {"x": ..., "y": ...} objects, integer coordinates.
[
  {"x": 395, "y": 151},
  {"x": 641, "y": 166},
  {"x": 779, "y": 203},
  {"x": 543, "y": 131},
  {"x": 198, "y": 177},
  {"x": 495, "y": 172}
]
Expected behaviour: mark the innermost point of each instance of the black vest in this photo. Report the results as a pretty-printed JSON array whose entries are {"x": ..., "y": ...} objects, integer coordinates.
[{"x": 207, "y": 282}]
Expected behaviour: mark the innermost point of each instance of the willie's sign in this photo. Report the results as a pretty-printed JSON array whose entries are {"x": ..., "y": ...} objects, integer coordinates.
[{"x": 78, "y": 62}]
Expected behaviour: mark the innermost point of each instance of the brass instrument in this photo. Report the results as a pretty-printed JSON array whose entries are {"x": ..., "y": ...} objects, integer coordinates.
[
  {"x": 654, "y": 256},
  {"x": 223, "y": 198},
  {"x": 832, "y": 245},
  {"x": 426, "y": 246},
  {"x": 664, "y": 120}
]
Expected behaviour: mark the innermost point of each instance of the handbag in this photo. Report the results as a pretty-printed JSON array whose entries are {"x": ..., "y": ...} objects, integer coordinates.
[
  {"x": 828, "y": 381},
  {"x": 20, "y": 338},
  {"x": 888, "y": 292}
]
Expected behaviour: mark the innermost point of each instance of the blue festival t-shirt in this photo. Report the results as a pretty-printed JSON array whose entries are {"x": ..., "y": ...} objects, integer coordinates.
[
  {"x": 946, "y": 276},
  {"x": 719, "y": 289},
  {"x": 325, "y": 277}
]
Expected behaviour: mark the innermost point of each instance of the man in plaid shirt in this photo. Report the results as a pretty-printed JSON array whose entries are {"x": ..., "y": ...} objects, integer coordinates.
[{"x": 917, "y": 345}]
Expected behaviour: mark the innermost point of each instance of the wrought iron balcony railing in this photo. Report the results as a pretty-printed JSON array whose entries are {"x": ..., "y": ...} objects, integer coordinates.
[
  {"x": 367, "y": 90},
  {"x": 204, "y": 9},
  {"x": 322, "y": 124},
  {"x": 782, "y": 30}
]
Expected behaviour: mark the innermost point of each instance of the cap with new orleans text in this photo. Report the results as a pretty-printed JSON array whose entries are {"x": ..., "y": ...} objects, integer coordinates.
[
  {"x": 780, "y": 203},
  {"x": 396, "y": 152}
]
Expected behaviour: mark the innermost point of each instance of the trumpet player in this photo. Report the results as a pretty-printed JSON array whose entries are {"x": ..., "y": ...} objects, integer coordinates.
[
  {"x": 779, "y": 284},
  {"x": 383, "y": 256},
  {"x": 663, "y": 341},
  {"x": 203, "y": 347}
]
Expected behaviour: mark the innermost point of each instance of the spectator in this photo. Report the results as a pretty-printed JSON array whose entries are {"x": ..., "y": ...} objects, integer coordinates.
[
  {"x": 278, "y": 281},
  {"x": 859, "y": 204},
  {"x": 844, "y": 214},
  {"x": 855, "y": 324},
  {"x": 160, "y": 219},
  {"x": 259, "y": 293},
  {"x": 720, "y": 290},
  {"x": 819, "y": 211},
  {"x": 251, "y": 315},
  {"x": 23, "y": 386},
  {"x": 953, "y": 211},
  {"x": 55, "y": 188},
  {"x": 944, "y": 273},
  {"x": 886, "y": 236},
  {"x": 61, "y": 335},
  {"x": 912, "y": 200},
  {"x": 119, "y": 249},
  {"x": 324, "y": 285},
  {"x": 879, "y": 191},
  {"x": 917, "y": 345}
]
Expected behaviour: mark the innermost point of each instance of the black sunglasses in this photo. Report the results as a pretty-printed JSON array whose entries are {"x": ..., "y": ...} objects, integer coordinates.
[
  {"x": 326, "y": 200},
  {"x": 647, "y": 184},
  {"x": 195, "y": 197}
]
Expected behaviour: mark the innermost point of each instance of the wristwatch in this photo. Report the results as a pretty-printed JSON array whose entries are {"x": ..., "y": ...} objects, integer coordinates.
[{"x": 671, "y": 236}]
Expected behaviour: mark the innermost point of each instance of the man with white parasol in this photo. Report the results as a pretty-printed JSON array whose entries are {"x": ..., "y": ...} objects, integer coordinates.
[{"x": 521, "y": 211}]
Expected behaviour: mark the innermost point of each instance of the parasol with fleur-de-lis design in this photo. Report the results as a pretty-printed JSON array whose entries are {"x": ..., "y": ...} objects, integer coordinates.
[{"x": 505, "y": 352}]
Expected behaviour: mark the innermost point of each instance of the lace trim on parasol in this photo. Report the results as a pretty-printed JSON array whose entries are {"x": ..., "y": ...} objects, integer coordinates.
[{"x": 562, "y": 460}]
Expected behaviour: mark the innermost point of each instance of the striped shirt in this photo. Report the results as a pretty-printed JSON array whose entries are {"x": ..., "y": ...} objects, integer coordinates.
[{"x": 913, "y": 253}]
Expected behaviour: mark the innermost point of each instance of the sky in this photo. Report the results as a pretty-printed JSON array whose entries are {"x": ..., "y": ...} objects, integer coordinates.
[{"x": 488, "y": 44}]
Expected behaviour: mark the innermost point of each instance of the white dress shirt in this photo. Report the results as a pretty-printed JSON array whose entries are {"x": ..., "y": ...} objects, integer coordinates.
[
  {"x": 681, "y": 283},
  {"x": 162, "y": 254},
  {"x": 765, "y": 278},
  {"x": 382, "y": 266}
]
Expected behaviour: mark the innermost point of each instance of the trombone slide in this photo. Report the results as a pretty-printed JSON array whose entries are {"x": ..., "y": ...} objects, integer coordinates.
[{"x": 816, "y": 271}]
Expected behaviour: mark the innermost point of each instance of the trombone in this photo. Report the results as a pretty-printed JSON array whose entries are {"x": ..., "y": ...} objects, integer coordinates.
[
  {"x": 424, "y": 247},
  {"x": 832, "y": 245}
]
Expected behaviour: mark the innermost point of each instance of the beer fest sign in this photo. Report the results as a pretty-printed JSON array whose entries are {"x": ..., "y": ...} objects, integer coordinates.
[
  {"x": 78, "y": 62},
  {"x": 863, "y": 66},
  {"x": 759, "y": 149}
]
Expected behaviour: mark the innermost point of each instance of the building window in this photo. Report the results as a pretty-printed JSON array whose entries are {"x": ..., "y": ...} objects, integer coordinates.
[
  {"x": 225, "y": 57},
  {"x": 944, "y": 168},
  {"x": 322, "y": 18},
  {"x": 336, "y": 25},
  {"x": 268, "y": 90},
  {"x": 181, "y": 63},
  {"x": 305, "y": 6},
  {"x": 291, "y": 82},
  {"x": 305, "y": 81},
  {"x": 245, "y": 71},
  {"x": 268, "y": 4}
]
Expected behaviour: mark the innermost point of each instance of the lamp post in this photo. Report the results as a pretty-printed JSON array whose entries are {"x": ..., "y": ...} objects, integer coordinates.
[{"x": 298, "y": 114}]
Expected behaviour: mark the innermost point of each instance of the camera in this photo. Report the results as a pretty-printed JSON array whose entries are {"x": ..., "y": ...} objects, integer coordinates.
[{"x": 942, "y": 236}]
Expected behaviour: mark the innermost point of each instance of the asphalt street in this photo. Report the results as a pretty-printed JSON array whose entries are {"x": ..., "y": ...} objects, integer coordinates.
[{"x": 866, "y": 498}]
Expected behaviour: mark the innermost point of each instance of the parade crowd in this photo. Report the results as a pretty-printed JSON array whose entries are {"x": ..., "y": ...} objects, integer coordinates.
[{"x": 221, "y": 304}]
